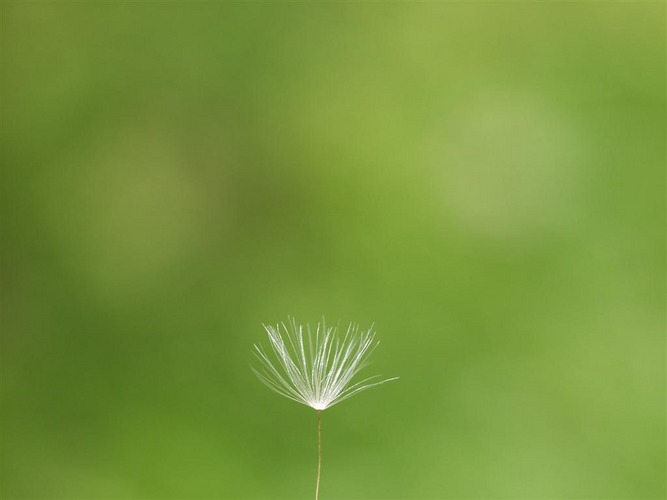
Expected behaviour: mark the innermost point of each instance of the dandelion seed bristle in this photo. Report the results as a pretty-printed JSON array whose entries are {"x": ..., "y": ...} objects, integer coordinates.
[{"x": 316, "y": 369}]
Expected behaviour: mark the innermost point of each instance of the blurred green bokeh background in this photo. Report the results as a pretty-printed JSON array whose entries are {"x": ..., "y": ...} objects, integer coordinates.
[{"x": 484, "y": 181}]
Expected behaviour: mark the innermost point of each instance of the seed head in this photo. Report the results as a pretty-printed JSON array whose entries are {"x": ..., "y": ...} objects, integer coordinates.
[{"x": 316, "y": 369}]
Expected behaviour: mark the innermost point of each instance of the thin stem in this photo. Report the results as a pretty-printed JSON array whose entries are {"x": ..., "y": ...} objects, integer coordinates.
[{"x": 319, "y": 453}]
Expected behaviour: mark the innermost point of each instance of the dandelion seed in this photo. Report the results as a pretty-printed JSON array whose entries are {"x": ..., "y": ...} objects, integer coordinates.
[{"x": 316, "y": 368}]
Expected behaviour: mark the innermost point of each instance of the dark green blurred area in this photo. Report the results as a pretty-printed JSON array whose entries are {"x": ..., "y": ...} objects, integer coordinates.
[{"x": 484, "y": 181}]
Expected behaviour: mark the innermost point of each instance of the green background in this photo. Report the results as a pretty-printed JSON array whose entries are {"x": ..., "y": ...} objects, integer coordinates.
[{"x": 484, "y": 181}]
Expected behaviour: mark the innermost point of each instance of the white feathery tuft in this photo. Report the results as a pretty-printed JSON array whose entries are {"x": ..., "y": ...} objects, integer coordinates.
[{"x": 316, "y": 369}]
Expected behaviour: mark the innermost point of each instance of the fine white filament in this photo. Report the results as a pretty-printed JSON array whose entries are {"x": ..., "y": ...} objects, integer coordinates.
[{"x": 316, "y": 368}]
